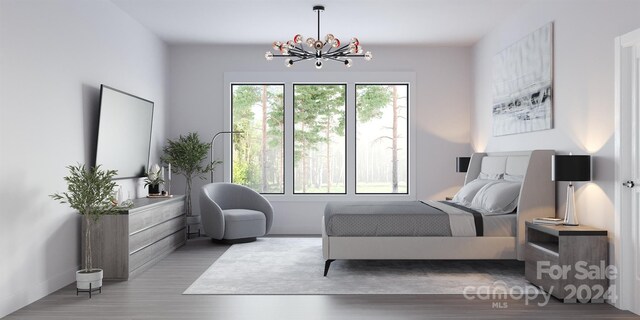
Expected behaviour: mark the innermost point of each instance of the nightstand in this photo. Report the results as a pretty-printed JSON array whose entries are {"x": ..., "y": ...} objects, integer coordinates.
[{"x": 570, "y": 262}]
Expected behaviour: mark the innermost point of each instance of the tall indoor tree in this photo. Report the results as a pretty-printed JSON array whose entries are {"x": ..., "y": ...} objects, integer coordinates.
[{"x": 187, "y": 157}]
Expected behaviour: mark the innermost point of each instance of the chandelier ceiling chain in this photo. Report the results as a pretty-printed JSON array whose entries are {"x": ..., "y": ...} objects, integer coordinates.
[{"x": 294, "y": 51}]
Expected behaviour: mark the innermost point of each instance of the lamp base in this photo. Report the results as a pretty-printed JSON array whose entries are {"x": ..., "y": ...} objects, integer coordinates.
[{"x": 570, "y": 216}]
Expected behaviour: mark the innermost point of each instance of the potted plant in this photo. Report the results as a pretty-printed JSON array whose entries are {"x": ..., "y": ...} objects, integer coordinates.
[
  {"x": 90, "y": 192},
  {"x": 153, "y": 180},
  {"x": 186, "y": 156}
]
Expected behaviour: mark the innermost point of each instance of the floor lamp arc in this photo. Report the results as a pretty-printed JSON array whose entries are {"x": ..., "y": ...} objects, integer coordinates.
[{"x": 213, "y": 140}]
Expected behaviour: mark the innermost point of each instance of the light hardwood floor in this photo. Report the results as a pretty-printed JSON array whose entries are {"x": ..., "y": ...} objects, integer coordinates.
[{"x": 157, "y": 294}]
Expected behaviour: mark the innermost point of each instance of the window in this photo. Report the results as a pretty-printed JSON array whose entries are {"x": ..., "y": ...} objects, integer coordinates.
[
  {"x": 319, "y": 113},
  {"x": 326, "y": 136},
  {"x": 258, "y": 153},
  {"x": 381, "y": 138}
]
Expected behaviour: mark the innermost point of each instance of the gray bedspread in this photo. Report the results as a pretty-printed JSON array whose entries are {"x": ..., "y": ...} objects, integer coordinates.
[{"x": 385, "y": 218}]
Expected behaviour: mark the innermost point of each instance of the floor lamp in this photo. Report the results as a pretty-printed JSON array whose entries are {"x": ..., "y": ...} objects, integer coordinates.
[
  {"x": 214, "y": 140},
  {"x": 571, "y": 168}
]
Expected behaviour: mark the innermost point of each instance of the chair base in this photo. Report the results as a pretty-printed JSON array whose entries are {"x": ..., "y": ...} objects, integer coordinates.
[{"x": 234, "y": 241}]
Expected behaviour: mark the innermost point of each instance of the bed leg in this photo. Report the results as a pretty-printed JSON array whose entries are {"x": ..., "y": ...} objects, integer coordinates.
[{"x": 326, "y": 266}]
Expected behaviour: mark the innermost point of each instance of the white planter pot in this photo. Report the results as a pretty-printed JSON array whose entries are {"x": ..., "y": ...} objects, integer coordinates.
[{"x": 83, "y": 279}]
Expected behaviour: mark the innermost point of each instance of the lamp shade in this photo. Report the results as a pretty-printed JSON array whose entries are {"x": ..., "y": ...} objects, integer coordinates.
[
  {"x": 462, "y": 164},
  {"x": 570, "y": 168}
]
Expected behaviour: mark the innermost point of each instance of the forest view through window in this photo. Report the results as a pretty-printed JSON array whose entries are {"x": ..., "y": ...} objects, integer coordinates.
[
  {"x": 381, "y": 138},
  {"x": 258, "y": 153},
  {"x": 315, "y": 129},
  {"x": 319, "y": 113}
]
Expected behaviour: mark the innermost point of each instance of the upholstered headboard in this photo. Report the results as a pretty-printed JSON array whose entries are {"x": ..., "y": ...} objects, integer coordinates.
[{"x": 537, "y": 193}]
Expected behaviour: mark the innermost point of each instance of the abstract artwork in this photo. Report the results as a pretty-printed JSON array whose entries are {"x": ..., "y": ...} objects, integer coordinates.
[{"x": 522, "y": 84}]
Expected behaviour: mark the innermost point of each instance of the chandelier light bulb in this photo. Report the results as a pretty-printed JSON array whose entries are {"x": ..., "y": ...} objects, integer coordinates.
[
  {"x": 318, "y": 45},
  {"x": 298, "y": 38},
  {"x": 336, "y": 42},
  {"x": 368, "y": 56},
  {"x": 347, "y": 63},
  {"x": 329, "y": 38},
  {"x": 268, "y": 56},
  {"x": 318, "y": 64},
  {"x": 288, "y": 63},
  {"x": 277, "y": 45},
  {"x": 355, "y": 41},
  {"x": 310, "y": 42}
]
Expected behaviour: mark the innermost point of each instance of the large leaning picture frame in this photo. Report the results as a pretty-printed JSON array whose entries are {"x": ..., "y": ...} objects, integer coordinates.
[{"x": 523, "y": 83}]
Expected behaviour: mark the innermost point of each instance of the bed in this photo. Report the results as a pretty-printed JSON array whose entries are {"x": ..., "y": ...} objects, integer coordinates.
[{"x": 399, "y": 230}]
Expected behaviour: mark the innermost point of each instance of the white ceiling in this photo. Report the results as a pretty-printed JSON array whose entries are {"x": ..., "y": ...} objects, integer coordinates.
[{"x": 442, "y": 22}]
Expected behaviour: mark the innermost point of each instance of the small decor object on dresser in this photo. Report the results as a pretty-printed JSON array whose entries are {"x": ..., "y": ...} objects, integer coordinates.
[
  {"x": 154, "y": 180},
  {"x": 91, "y": 193}
]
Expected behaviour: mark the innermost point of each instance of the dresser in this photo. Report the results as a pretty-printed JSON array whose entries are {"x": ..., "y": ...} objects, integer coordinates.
[{"x": 126, "y": 244}]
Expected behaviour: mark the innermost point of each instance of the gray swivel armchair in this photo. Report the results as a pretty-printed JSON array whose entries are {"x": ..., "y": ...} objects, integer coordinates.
[{"x": 233, "y": 213}]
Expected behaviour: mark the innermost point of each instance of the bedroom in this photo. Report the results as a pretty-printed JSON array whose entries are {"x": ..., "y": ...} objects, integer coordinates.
[{"x": 55, "y": 55}]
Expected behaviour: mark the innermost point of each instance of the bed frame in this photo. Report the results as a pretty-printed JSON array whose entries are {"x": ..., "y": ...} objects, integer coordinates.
[{"x": 537, "y": 199}]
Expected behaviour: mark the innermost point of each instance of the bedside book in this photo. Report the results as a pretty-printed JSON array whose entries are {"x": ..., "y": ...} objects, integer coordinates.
[{"x": 549, "y": 221}]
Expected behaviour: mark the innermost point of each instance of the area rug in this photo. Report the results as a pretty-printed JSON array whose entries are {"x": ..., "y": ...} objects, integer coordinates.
[{"x": 295, "y": 266}]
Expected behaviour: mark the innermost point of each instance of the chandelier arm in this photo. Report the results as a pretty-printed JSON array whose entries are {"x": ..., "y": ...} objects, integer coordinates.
[
  {"x": 291, "y": 56},
  {"x": 294, "y": 49},
  {"x": 329, "y": 51},
  {"x": 343, "y": 48},
  {"x": 335, "y": 59},
  {"x": 301, "y": 59}
]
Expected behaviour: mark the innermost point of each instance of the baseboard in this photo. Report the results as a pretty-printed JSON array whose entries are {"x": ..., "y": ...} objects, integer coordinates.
[
  {"x": 25, "y": 295},
  {"x": 306, "y": 235}
]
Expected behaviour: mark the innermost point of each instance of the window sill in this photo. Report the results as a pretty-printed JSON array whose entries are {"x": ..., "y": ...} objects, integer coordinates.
[{"x": 339, "y": 197}]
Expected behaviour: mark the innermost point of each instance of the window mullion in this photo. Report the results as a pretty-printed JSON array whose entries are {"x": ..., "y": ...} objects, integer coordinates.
[
  {"x": 351, "y": 139},
  {"x": 288, "y": 138}
]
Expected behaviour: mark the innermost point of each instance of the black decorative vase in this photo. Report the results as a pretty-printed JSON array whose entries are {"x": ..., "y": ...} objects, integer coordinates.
[{"x": 154, "y": 189}]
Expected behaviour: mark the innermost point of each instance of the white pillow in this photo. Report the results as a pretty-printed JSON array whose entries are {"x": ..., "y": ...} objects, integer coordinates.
[
  {"x": 497, "y": 197},
  {"x": 468, "y": 191},
  {"x": 490, "y": 176},
  {"x": 513, "y": 177}
]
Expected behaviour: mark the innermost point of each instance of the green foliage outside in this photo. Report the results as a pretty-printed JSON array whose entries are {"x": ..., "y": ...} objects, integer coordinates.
[
  {"x": 258, "y": 111},
  {"x": 319, "y": 112},
  {"x": 319, "y": 130}
]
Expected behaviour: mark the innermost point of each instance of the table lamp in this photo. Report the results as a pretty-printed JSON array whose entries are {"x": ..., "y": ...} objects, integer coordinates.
[
  {"x": 462, "y": 164},
  {"x": 571, "y": 168}
]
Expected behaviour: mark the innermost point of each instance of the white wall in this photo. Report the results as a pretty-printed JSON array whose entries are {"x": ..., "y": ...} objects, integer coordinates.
[
  {"x": 443, "y": 98},
  {"x": 54, "y": 55},
  {"x": 583, "y": 99}
]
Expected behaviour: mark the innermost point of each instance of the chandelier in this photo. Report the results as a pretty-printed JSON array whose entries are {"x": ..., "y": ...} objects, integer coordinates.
[{"x": 329, "y": 49}]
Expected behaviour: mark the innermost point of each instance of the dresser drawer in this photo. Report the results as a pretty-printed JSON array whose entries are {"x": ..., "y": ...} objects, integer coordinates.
[
  {"x": 147, "y": 254},
  {"x": 154, "y": 233},
  {"x": 144, "y": 218}
]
